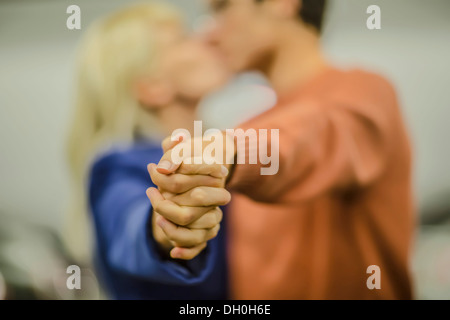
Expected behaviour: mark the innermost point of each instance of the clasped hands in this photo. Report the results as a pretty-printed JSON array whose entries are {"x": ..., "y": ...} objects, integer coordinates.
[{"x": 186, "y": 213}]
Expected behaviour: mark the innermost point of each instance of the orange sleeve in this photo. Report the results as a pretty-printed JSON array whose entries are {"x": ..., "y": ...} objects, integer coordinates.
[{"x": 337, "y": 141}]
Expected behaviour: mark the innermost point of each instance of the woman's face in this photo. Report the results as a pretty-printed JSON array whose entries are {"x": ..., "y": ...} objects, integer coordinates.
[{"x": 194, "y": 69}]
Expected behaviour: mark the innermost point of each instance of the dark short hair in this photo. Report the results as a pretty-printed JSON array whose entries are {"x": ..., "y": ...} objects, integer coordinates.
[{"x": 312, "y": 12}]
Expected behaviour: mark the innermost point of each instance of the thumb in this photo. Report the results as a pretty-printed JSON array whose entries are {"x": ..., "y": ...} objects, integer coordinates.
[
  {"x": 171, "y": 141},
  {"x": 165, "y": 165}
]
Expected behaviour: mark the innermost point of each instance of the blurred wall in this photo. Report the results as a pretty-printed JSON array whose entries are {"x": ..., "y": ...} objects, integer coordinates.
[
  {"x": 413, "y": 50},
  {"x": 36, "y": 73},
  {"x": 37, "y": 54}
]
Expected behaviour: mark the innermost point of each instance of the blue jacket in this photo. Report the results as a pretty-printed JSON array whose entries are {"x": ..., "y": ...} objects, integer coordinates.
[{"x": 127, "y": 258}]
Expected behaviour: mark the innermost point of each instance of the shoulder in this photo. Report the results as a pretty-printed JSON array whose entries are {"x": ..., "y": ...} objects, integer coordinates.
[{"x": 365, "y": 83}]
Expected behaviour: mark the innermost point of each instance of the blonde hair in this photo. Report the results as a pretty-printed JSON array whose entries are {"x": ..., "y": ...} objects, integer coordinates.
[{"x": 114, "y": 53}]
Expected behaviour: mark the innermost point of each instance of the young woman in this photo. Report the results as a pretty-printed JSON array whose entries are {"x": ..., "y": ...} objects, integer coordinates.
[{"x": 140, "y": 78}]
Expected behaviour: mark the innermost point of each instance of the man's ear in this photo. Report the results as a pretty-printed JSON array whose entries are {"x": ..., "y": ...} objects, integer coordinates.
[{"x": 153, "y": 94}]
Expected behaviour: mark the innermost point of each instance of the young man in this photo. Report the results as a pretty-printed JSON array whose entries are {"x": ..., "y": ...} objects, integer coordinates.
[{"x": 341, "y": 201}]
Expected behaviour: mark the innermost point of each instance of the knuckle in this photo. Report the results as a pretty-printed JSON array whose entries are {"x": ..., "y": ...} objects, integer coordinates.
[
  {"x": 168, "y": 195},
  {"x": 217, "y": 169},
  {"x": 161, "y": 206},
  {"x": 200, "y": 237},
  {"x": 169, "y": 234},
  {"x": 177, "y": 244},
  {"x": 177, "y": 184},
  {"x": 214, "y": 232},
  {"x": 156, "y": 206},
  {"x": 199, "y": 195},
  {"x": 227, "y": 196},
  {"x": 218, "y": 215},
  {"x": 218, "y": 183},
  {"x": 186, "y": 218},
  {"x": 224, "y": 196},
  {"x": 173, "y": 243},
  {"x": 210, "y": 220},
  {"x": 177, "y": 239}
]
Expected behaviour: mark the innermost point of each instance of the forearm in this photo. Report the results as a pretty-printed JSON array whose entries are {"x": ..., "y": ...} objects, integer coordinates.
[{"x": 317, "y": 150}]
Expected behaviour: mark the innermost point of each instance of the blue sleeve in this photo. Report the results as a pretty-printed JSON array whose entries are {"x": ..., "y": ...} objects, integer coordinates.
[{"x": 122, "y": 216}]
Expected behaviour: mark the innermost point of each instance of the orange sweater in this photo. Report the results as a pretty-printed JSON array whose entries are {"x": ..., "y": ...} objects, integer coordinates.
[{"x": 340, "y": 202}]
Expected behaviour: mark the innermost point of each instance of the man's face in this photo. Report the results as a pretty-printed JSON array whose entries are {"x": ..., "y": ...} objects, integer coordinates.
[{"x": 243, "y": 33}]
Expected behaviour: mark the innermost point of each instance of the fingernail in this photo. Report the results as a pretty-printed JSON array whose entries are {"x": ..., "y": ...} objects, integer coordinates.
[
  {"x": 166, "y": 165},
  {"x": 224, "y": 171},
  {"x": 181, "y": 137}
]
